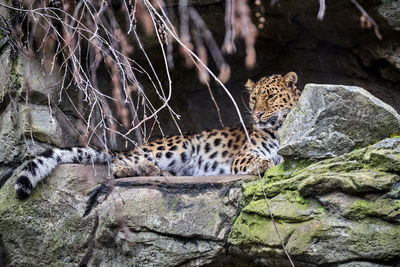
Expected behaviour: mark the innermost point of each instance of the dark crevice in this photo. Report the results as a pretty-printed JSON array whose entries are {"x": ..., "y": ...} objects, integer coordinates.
[
  {"x": 90, "y": 243},
  {"x": 237, "y": 256},
  {"x": 183, "y": 239},
  {"x": 94, "y": 196},
  {"x": 8, "y": 173},
  {"x": 395, "y": 262},
  {"x": 192, "y": 261},
  {"x": 192, "y": 189},
  {"x": 228, "y": 222}
]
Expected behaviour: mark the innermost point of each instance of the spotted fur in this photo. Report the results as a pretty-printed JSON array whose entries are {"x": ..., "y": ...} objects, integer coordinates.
[
  {"x": 37, "y": 169},
  {"x": 222, "y": 151}
]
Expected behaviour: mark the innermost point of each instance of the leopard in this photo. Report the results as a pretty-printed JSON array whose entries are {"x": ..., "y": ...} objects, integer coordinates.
[{"x": 230, "y": 150}]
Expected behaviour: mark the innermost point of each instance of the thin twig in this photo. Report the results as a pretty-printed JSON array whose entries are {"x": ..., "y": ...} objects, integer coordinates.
[{"x": 366, "y": 20}]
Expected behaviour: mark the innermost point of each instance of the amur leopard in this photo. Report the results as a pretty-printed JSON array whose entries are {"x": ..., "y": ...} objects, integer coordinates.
[{"x": 213, "y": 152}]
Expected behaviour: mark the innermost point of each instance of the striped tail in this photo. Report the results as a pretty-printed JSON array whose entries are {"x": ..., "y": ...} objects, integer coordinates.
[{"x": 37, "y": 169}]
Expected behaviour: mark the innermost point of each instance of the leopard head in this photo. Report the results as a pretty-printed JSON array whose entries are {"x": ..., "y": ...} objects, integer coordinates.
[{"x": 272, "y": 98}]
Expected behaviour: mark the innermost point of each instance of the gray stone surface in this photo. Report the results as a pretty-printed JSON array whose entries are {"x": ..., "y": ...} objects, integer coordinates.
[
  {"x": 5, "y": 12},
  {"x": 5, "y": 173},
  {"x": 40, "y": 83},
  {"x": 330, "y": 120},
  {"x": 22, "y": 74},
  {"x": 10, "y": 138},
  {"x": 43, "y": 125},
  {"x": 360, "y": 264},
  {"x": 5, "y": 74},
  {"x": 138, "y": 221},
  {"x": 32, "y": 121},
  {"x": 389, "y": 52},
  {"x": 390, "y": 10}
]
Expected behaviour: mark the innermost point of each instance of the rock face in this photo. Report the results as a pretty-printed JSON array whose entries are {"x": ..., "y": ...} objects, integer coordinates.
[
  {"x": 341, "y": 210},
  {"x": 151, "y": 222},
  {"x": 330, "y": 120},
  {"x": 390, "y": 11}
]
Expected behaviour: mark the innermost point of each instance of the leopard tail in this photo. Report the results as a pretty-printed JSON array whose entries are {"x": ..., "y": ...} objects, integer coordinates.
[{"x": 41, "y": 166}]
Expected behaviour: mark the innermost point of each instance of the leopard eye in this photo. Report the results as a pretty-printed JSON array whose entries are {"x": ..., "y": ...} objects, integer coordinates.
[
  {"x": 270, "y": 96},
  {"x": 254, "y": 98}
]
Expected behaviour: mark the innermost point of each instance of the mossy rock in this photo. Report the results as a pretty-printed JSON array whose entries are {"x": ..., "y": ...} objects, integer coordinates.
[{"x": 336, "y": 210}]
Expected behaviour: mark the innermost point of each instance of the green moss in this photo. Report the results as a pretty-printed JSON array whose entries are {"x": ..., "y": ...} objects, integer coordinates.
[
  {"x": 285, "y": 169},
  {"x": 277, "y": 172},
  {"x": 354, "y": 155},
  {"x": 359, "y": 209},
  {"x": 235, "y": 218},
  {"x": 321, "y": 209},
  {"x": 288, "y": 206},
  {"x": 382, "y": 159},
  {"x": 300, "y": 199},
  {"x": 274, "y": 180},
  {"x": 387, "y": 209},
  {"x": 242, "y": 231},
  {"x": 252, "y": 228},
  {"x": 11, "y": 206},
  {"x": 395, "y": 135}
]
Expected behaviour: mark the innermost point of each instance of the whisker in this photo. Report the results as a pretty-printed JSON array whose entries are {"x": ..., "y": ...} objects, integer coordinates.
[{"x": 244, "y": 103}]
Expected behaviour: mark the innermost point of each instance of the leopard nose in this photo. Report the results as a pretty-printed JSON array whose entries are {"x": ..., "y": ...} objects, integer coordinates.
[{"x": 259, "y": 114}]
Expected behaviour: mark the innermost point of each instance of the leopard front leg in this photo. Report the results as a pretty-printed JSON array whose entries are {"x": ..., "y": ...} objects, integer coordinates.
[
  {"x": 245, "y": 163},
  {"x": 134, "y": 165}
]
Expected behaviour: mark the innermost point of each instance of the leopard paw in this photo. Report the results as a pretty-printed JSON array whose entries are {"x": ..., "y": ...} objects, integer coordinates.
[
  {"x": 121, "y": 169},
  {"x": 148, "y": 168},
  {"x": 259, "y": 166}
]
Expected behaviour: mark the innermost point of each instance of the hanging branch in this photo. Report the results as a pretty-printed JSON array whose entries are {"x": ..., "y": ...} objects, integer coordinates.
[
  {"x": 366, "y": 21},
  {"x": 321, "y": 11},
  {"x": 228, "y": 46}
]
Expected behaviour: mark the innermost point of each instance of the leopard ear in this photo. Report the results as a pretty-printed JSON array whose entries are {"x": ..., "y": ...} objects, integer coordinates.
[
  {"x": 290, "y": 79},
  {"x": 249, "y": 85}
]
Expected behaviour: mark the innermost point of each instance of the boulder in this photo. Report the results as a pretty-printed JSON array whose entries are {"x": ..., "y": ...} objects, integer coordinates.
[
  {"x": 32, "y": 121},
  {"x": 42, "y": 81},
  {"x": 40, "y": 121},
  {"x": 79, "y": 216},
  {"x": 343, "y": 210},
  {"x": 331, "y": 120}
]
